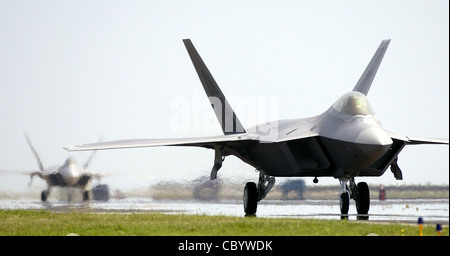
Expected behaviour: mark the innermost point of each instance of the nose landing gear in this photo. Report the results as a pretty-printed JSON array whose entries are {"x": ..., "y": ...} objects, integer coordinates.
[{"x": 359, "y": 193}]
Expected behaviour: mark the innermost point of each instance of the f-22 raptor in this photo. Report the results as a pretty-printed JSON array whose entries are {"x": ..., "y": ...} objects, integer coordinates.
[
  {"x": 68, "y": 175},
  {"x": 344, "y": 142}
]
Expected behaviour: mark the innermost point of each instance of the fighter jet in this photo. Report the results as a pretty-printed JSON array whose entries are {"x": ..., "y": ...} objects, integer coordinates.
[
  {"x": 70, "y": 174},
  {"x": 344, "y": 142}
]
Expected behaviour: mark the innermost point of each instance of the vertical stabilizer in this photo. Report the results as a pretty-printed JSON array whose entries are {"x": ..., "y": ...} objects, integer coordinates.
[
  {"x": 35, "y": 153},
  {"x": 365, "y": 81},
  {"x": 227, "y": 118}
]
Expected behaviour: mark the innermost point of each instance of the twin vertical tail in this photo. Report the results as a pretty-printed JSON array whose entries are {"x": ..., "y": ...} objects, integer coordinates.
[
  {"x": 38, "y": 159},
  {"x": 35, "y": 153},
  {"x": 366, "y": 79},
  {"x": 227, "y": 117},
  {"x": 89, "y": 160}
]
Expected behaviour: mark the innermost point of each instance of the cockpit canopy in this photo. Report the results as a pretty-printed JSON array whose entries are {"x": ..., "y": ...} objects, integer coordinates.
[
  {"x": 353, "y": 103},
  {"x": 69, "y": 161}
]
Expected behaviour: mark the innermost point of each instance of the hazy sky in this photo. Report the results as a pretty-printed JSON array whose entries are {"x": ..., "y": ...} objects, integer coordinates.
[{"x": 72, "y": 71}]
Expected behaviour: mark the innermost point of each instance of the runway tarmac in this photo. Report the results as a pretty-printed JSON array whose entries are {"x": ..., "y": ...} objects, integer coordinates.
[{"x": 403, "y": 211}]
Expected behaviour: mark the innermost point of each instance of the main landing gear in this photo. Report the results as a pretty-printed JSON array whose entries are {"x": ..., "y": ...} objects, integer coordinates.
[
  {"x": 254, "y": 193},
  {"x": 44, "y": 195},
  {"x": 359, "y": 193},
  {"x": 86, "y": 194}
]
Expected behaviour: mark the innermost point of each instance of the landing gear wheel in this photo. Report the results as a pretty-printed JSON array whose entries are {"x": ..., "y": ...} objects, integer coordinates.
[
  {"x": 86, "y": 195},
  {"x": 44, "y": 195},
  {"x": 344, "y": 202},
  {"x": 363, "y": 201},
  {"x": 250, "y": 199}
]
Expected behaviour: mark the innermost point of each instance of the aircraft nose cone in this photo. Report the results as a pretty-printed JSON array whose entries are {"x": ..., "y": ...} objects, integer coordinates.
[
  {"x": 374, "y": 136},
  {"x": 374, "y": 142}
]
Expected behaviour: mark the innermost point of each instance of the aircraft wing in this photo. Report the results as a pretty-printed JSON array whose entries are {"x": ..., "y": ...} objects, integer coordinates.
[
  {"x": 205, "y": 142},
  {"x": 418, "y": 141},
  {"x": 18, "y": 172},
  {"x": 409, "y": 140}
]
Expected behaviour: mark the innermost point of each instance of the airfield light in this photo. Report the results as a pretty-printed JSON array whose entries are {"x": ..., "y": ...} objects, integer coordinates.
[
  {"x": 420, "y": 223},
  {"x": 439, "y": 229}
]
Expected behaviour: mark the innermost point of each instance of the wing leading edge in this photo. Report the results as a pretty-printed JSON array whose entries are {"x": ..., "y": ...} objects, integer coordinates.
[
  {"x": 205, "y": 142},
  {"x": 409, "y": 140},
  {"x": 420, "y": 141}
]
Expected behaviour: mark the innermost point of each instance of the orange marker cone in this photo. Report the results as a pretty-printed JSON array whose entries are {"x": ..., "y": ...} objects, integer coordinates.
[
  {"x": 439, "y": 229},
  {"x": 420, "y": 223}
]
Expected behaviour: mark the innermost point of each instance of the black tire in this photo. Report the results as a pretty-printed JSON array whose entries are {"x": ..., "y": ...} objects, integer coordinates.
[
  {"x": 363, "y": 202},
  {"x": 44, "y": 196},
  {"x": 250, "y": 199},
  {"x": 86, "y": 195},
  {"x": 344, "y": 202}
]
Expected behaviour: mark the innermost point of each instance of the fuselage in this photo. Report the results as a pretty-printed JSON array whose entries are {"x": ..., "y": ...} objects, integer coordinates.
[
  {"x": 343, "y": 140},
  {"x": 71, "y": 172}
]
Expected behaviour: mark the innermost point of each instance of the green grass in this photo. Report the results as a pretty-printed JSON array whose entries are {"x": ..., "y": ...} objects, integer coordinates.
[{"x": 46, "y": 223}]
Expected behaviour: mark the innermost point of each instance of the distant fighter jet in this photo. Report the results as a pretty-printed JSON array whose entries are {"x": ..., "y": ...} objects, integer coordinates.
[
  {"x": 344, "y": 142},
  {"x": 70, "y": 174}
]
